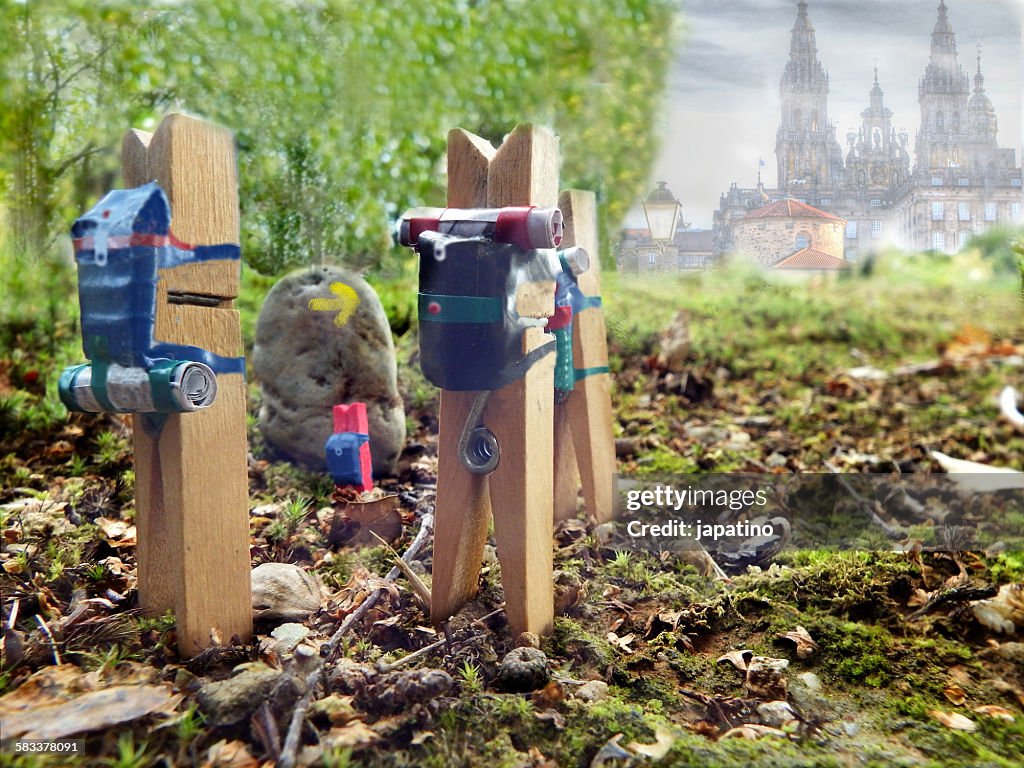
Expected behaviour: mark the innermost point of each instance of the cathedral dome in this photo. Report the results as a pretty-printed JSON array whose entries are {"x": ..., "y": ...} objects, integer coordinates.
[
  {"x": 980, "y": 103},
  {"x": 982, "y": 113}
]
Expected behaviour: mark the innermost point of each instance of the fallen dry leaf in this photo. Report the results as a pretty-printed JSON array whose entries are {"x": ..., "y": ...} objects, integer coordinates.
[
  {"x": 421, "y": 737},
  {"x": 805, "y": 646},
  {"x": 992, "y": 710},
  {"x": 1004, "y": 612},
  {"x": 229, "y": 754},
  {"x": 622, "y": 643},
  {"x": 954, "y": 720},
  {"x": 954, "y": 694},
  {"x": 45, "y": 687},
  {"x": 752, "y": 731},
  {"x": 611, "y": 751},
  {"x": 113, "y": 529},
  {"x": 918, "y": 598},
  {"x": 970, "y": 340},
  {"x": 663, "y": 741},
  {"x": 739, "y": 659},
  {"x": 611, "y": 591},
  {"x": 338, "y": 709},
  {"x": 90, "y": 712},
  {"x": 355, "y": 522},
  {"x": 349, "y": 736},
  {"x": 979, "y": 477}
]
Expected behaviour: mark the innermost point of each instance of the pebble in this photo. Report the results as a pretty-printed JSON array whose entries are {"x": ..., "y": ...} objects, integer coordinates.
[
  {"x": 528, "y": 640},
  {"x": 396, "y": 691},
  {"x": 283, "y": 591},
  {"x": 775, "y": 713},
  {"x": 523, "y": 670},
  {"x": 230, "y": 701},
  {"x": 766, "y": 678},
  {"x": 592, "y": 691}
]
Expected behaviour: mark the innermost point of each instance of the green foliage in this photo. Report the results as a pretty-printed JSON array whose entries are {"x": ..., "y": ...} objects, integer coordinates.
[
  {"x": 340, "y": 108},
  {"x": 190, "y": 725},
  {"x": 128, "y": 754},
  {"x": 111, "y": 448},
  {"x": 291, "y": 516},
  {"x": 999, "y": 248},
  {"x": 470, "y": 677},
  {"x": 1018, "y": 249}
]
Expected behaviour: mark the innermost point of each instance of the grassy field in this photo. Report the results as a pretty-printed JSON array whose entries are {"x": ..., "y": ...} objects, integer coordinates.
[{"x": 770, "y": 384}]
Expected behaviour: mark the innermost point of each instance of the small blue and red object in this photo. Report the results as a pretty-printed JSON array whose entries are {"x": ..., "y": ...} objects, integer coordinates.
[{"x": 348, "y": 449}]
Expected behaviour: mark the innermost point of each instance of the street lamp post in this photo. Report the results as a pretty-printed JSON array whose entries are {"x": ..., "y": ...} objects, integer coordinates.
[{"x": 662, "y": 211}]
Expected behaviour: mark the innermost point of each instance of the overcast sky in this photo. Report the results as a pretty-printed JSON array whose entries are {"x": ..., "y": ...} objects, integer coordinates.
[{"x": 722, "y": 106}]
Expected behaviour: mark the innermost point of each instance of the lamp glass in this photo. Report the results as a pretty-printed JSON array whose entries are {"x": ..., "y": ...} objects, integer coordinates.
[{"x": 662, "y": 212}]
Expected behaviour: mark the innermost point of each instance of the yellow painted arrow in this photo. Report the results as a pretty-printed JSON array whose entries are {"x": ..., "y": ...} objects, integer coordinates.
[{"x": 345, "y": 304}]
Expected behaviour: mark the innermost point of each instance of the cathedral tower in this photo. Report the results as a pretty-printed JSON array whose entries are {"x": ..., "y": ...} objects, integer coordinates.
[
  {"x": 942, "y": 94},
  {"x": 808, "y": 155},
  {"x": 877, "y": 159}
]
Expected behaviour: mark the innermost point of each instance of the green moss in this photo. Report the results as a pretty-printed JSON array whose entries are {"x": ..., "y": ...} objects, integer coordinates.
[
  {"x": 995, "y": 743},
  {"x": 1008, "y": 567},
  {"x": 586, "y": 651},
  {"x": 663, "y": 461}
]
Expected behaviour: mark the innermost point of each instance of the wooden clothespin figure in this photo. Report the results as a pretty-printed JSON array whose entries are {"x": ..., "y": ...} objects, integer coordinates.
[
  {"x": 486, "y": 289},
  {"x": 159, "y": 267},
  {"x": 583, "y": 441}
]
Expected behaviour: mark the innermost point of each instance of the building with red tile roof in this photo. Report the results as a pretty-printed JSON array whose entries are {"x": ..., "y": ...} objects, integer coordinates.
[{"x": 789, "y": 234}]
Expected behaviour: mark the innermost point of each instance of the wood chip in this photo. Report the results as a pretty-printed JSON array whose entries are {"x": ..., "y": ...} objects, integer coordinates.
[{"x": 954, "y": 720}]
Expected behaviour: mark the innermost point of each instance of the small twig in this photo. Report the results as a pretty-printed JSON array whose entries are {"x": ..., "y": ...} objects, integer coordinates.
[
  {"x": 49, "y": 635},
  {"x": 291, "y": 743},
  {"x": 869, "y": 505},
  {"x": 13, "y": 618},
  {"x": 414, "y": 655},
  {"x": 702, "y": 552},
  {"x": 958, "y": 594},
  {"x": 421, "y": 589},
  {"x": 480, "y": 622}
]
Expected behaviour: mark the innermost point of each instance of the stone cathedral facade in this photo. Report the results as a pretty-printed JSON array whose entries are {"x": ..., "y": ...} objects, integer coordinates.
[{"x": 960, "y": 182}]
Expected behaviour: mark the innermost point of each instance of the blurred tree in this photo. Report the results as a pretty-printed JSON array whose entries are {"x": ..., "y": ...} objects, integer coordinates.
[
  {"x": 341, "y": 108},
  {"x": 58, "y": 61},
  {"x": 998, "y": 246}
]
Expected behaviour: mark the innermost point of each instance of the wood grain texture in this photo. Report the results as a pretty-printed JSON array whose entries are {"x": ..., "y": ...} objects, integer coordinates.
[
  {"x": 520, "y": 415},
  {"x": 135, "y": 158},
  {"x": 192, "y": 505},
  {"x": 461, "y": 514},
  {"x": 536, "y": 299},
  {"x": 462, "y": 510},
  {"x": 523, "y": 171},
  {"x": 469, "y": 158},
  {"x": 589, "y": 407},
  {"x": 194, "y": 163},
  {"x": 566, "y": 471}
]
